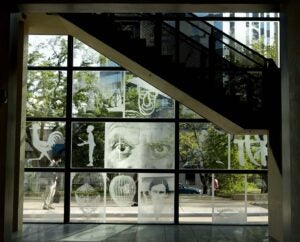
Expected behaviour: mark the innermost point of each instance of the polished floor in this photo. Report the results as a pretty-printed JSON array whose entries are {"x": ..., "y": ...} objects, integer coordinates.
[{"x": 142, "y": 233}]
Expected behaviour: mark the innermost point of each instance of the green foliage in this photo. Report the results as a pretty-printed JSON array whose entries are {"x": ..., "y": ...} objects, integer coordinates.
[
  {"x": 269, "y": 51},
  {"x": 201, "y": 145}
]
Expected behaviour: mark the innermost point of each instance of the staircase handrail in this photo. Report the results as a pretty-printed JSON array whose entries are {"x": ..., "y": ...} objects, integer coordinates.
[{"x": 215, "y": 29}]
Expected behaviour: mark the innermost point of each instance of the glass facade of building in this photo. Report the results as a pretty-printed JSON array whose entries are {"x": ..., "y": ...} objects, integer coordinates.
[{"x": 102, "y": 145}]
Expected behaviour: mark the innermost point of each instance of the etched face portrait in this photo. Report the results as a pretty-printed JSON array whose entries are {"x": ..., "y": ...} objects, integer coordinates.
[
  {"x": 158, "y": 193},
  {"x": 139, "y": 145}
]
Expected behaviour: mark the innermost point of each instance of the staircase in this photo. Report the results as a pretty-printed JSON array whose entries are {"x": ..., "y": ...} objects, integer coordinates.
[{"x": 197, "y": 58}]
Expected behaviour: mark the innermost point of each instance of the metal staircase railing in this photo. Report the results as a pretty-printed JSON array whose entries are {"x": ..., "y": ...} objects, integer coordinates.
[{"x": 194, "y": 56}]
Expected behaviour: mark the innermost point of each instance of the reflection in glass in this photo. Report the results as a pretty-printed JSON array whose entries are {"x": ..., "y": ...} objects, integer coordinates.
[
  {"x": 46, "y": 93},
  {"x": 86, "y": 56},
  {"x": 98, "y": 94},
  {"x": 156, "y": 198},
  {"x": 139, "y": 145},
  {"x": 47, "y": 50},
  {"x": 45, "y": 144},
  {"x": 88, "y": 196},
  {"x": 43, "y": 196},
  {"x": 87, "y": 144},
  {"x": 145, "y": 101}
]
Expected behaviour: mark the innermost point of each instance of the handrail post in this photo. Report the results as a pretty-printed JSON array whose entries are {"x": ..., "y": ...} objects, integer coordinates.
[
  {"x": 211, "y": 61},
  {"x": 158, "y": 33},
  {"x": 177, "y": 40}
]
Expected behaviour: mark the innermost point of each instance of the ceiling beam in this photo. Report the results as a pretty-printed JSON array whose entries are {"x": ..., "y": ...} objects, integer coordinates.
[{"x": 121, "y": 6}]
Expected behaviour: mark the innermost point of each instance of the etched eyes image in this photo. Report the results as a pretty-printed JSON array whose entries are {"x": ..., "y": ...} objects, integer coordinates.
[
  {"x": 139, "y": 145},
  {"x": 122, "y": 149},
  {"x": 160, "y": 150}
]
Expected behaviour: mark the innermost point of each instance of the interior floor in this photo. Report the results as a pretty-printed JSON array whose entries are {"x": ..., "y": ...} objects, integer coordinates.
[{"x": 142, "y": 233}]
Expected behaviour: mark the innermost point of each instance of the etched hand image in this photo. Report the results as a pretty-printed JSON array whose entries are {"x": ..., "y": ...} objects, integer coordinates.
[
  {"x": 88, "y": 192},
  {"x": 122, "y": 190},
  {"x": 87, "y": 144}
]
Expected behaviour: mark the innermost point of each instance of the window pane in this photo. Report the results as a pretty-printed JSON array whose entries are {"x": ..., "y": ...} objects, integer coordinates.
[
  {"x": 88, "y": 197},
  {"x": 257, "y": 198},
  {"x": 249, "y": 152},
  {"x": 88, "y": 144},
  {"x": 45, "y": 144},
  {"x": 47, "y": 50},
  {"x": 86, "y": 56},
  {"x": 144, "y": 101},
  {"x": 98, "y": 94},
  {"x": 122, "y": 198},
  {"x": 229, "y": 199},
  {"x": 195, "y": 198},
  {"x": 185, "y": 112},
  {"x": 43, "y": 197},
  {"x": 46, "y": 94},
  {"x": 139, "y": 145},
  {"x": 156, "y": 198},
  {"x": 203, "y": 146}
]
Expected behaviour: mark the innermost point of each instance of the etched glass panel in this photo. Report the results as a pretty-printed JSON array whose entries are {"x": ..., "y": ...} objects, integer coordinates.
[
  {"x": 156, "y": 198},
  {"x": 43, "y": 197},
  {"x": 88, "y": 144},
  {"x": 249, "y": 151},
  {"x": 47, "y": 50},
  {"x": 46, "y": 94},
  {"x": 145, "y": 101},
  {"x": 98, "y": 94},
  {"x": 139, "y": 145},
  {"x": 122, "y": 197},
  {"x": 88, "y": 197},
  {"x": 86, "y": 56},
  {"x": 45, "y": 144}
]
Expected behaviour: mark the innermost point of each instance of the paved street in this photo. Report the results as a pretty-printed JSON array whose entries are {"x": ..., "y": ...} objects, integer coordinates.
[{"x": 192, "y": 209}]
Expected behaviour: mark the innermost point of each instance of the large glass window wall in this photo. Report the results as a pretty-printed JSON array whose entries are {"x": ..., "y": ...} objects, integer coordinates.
[{"x": 104, "y": 146}]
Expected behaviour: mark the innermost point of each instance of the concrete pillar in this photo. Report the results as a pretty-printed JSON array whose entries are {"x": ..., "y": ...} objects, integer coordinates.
[
  {"x": 275, "y": 199},
  {"x": 290, "y": 63},
  {"x": 9, "y": 110}
]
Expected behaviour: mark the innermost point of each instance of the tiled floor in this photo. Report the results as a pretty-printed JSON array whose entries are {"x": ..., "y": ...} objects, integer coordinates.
[{"x": 142, "y": 233}]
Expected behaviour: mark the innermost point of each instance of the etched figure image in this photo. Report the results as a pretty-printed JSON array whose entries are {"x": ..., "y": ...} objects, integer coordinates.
[
  {"x": 139, "y": 145},
  {"x": 87, "y": 144},
  {"x": 91, "y": 143},
  {"x": 156, "y": 197}
]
